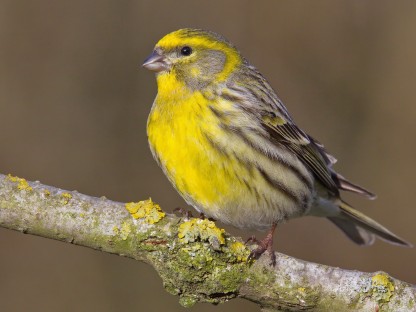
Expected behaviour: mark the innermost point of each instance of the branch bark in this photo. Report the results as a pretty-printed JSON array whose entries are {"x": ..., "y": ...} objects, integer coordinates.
[{"x": 196, "y": 260}]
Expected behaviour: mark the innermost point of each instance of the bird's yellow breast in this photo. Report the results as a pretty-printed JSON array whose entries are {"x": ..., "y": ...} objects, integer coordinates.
[{"x": 179, "y": 143}]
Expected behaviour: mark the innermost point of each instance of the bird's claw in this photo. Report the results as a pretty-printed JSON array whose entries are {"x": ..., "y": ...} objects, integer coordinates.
[
  {"x": 183, "y": 212},
  {"x": 263, "y": 245}
]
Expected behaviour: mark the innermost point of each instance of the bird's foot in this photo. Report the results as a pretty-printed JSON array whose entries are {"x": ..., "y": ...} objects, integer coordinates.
[
  {"x": 183, "y": 212},
  {"x": 263, "y": 245},
  {"x": 188, "y": 214},
  {"x": 202, "y": 216}
]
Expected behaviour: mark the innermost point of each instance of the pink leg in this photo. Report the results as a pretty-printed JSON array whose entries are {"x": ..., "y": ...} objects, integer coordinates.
[{"x": 265, "y": 244}]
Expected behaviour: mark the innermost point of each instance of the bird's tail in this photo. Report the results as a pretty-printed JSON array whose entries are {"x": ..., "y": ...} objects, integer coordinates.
[{"x": 362, "y": 229}]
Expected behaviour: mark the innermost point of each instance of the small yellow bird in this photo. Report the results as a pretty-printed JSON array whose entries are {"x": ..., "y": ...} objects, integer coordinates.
[{"x": 229, "y": 146}]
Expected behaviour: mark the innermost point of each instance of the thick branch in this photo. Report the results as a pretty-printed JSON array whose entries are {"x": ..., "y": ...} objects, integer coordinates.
[{"x": 196, "y": 260}]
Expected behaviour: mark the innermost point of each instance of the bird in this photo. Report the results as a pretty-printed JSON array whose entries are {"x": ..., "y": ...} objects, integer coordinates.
[{"x": 231, "y": 149}]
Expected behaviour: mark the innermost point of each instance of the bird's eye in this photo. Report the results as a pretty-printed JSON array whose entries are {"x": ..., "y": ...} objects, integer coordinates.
[{"x": 186, "y": 51}]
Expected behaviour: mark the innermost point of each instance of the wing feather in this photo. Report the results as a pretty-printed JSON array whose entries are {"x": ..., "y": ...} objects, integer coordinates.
[{"x": 260, "y": 100}]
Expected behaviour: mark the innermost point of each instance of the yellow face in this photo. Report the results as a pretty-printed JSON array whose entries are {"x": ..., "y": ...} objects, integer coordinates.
[{"x": 195, "y": 57}]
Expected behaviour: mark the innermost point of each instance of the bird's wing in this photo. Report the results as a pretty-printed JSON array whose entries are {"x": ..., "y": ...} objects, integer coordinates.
[
  {"x": 308, "y": 150},
  {"x": 260, "y": 100},
  {"x": 311, "y": 152}
]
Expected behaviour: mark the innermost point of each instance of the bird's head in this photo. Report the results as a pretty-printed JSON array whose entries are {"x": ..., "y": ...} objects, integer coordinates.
[{"x": 195, "y": 57}]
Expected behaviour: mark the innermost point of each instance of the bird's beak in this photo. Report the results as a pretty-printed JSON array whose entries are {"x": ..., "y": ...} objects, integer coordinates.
[{"x": 155, "y": 62}]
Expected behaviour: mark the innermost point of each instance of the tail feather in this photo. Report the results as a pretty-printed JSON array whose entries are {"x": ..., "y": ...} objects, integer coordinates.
[
  {"x": 362, "y": 229},
  {"x": 354, "y": 232},
  {"x": 346, "y": 185}
]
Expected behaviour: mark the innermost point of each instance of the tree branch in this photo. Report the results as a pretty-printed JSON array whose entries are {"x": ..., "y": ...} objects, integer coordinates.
[{"x": 196, "y": 260}]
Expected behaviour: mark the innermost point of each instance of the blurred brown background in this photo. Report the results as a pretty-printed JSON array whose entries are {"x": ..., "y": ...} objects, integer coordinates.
[{"x": 74, "y": 102}]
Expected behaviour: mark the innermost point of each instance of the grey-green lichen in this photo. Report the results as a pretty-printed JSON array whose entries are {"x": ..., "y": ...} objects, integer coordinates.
[
  {"x": 204, "y": 262},
  {"x": 411, "y": 304},
  {"x": 194, "y": 258},
  {"x": 188, "y": 301},
  {"x": 201, "y": 230},
  {"x": 125, "y": 230}
]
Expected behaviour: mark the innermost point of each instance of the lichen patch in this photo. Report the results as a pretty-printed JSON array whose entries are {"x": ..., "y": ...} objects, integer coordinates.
[
  {"x": 124, "y": 231},
  {"x": 382, "y": 287},
  {"x": 21, "y": 183},
  {"x": 66, "y": 197},
  {"x": 147, "y": 210},
  {"x": 240, "y": 251},
  {"x": 201, "y": 230}
]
